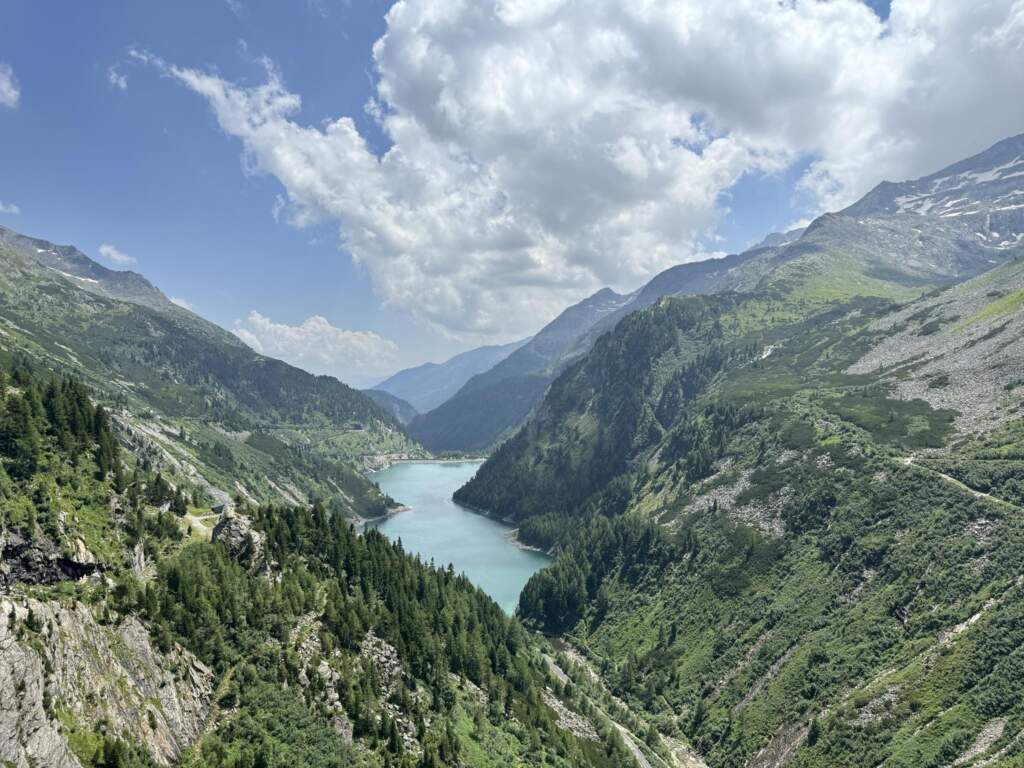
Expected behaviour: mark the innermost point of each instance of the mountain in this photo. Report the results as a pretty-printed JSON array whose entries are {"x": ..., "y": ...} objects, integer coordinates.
[
  {"x": 137, "y": 630},
  {"x": 788, "y": 520},
  {"x": 210, "y": 412},
  {"x": 898, "y": 241},
  {"x": 427, "y": 386},
  {"x": 86, "y": 273},
  {"x": 497, "y": 400},
  {"x": 403, "y": 411}
]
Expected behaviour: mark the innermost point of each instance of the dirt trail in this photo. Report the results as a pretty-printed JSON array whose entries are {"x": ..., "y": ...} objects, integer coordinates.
[{"x": 911, "y": 461}]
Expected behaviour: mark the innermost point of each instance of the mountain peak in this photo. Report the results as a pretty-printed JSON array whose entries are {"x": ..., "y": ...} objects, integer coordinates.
[
  {"x": 989, "y": 182},
  {"x": 86, "y": 273}
]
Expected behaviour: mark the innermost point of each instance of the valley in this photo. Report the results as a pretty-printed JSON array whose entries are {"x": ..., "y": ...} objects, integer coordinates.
[{"x": 763, "y": 511}]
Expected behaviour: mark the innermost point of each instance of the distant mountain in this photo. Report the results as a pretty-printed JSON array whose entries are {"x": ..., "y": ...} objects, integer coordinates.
[
  {"x": 427, "y": 386},
  {"x": 396, "y": 406},
  {"x": 497, "y": 400},
  {"x": 209, "y": 411},
  {"x": 898, "y": 241}
]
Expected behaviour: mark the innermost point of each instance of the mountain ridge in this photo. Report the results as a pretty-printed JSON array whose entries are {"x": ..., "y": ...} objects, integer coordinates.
[
  {"x": 786, "y": 520},
  {"x": 871, "y": 247},
  {"x": 204, "y": 403}
]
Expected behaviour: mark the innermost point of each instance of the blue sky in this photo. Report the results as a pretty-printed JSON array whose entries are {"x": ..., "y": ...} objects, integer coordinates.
[
  {"x": 155, "y": 169},
  {"x": 146, "y": 169}
]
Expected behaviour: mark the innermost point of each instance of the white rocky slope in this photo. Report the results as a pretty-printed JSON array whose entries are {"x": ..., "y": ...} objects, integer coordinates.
[{"x": 959, "y": 349}]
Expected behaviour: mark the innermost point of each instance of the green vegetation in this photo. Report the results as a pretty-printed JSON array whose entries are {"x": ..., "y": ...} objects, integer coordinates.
[
  {"x": 761, "y": 551},
  {"x": 194, "y": 395},
  {"x": 316, "y": 633}
]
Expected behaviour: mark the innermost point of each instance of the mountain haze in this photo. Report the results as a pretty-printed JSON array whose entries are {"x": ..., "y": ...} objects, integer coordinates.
[{"x": 427, "y": 386}]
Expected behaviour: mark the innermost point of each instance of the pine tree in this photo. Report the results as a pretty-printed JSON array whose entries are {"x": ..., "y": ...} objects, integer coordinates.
[{"x": 19, "y": 438}]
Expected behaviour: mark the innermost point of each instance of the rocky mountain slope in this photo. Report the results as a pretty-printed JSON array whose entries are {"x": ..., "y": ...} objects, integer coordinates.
[
  {"x": 788, "y": 519},
  {"x": 206, "y": 408},
  {"x": 899, "y": 240}
]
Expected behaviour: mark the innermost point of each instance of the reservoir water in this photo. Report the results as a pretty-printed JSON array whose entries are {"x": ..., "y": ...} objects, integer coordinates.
[{"x": 438, "y": 529}]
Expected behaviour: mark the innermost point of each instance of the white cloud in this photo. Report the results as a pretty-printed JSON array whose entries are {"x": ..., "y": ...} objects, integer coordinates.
[
  {"x": 542, "y": 148},
  {"x": 10, "y": 93},
  {"x": 317, "y": 346},
  {"x": 183, "y": 303},
  {"x": 117, "y": 79},
  {"x": 113, "y": 255},
  {"x": 9, "y": 208}
]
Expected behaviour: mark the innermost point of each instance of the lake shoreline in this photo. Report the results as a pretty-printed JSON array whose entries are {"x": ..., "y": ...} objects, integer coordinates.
[
  {"x": 484, "y": 548},
  {"x": 512, "y": 534}
]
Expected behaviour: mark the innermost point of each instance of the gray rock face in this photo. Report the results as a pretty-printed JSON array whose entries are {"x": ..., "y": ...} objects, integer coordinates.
[
  {"x": 39, "y": 561},
  {"x": 94, "y": 672},
  {"x": 27, "y": 734},
  {"x": 245, "y": 543}
]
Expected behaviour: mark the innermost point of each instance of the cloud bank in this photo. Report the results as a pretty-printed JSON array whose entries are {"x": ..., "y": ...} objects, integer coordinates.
[
  {"x": 355, "y": 357},
  {"x": 543, "y": 148}
]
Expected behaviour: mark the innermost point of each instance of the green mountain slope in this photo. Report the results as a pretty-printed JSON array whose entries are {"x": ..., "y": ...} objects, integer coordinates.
[
  {"x": 210, "y": 411},
  {"x": 787, "y": 520},
  {"x": 402, "y": 410},
  {"x": 496, "y": 400},
  {"x": 132, "y": 635},
  {"x": 769, "y": 545}
]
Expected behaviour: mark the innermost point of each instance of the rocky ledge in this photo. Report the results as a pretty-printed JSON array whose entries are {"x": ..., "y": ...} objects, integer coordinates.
[{"x": 40, "y": 561}]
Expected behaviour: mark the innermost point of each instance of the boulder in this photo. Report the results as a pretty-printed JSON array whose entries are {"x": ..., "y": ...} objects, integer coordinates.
[{"x": 245, "y": 543}]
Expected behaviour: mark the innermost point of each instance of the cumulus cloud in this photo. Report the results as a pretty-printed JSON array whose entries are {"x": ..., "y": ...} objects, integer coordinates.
[
  {"x": 543, "y": 148},
  {"x": 183, "y": 303},
  {"x": 115, "y": 256},
  {"x": 9, "y": 208},
  {"x": 319, "y": 347},
  {"x": 10, "y": 93},
  {"x": 117, "y": 79}
]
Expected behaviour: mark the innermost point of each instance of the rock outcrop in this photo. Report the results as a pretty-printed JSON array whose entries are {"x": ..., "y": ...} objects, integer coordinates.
[
  {"x": 58, "y": 657},
  {"x": 244, "y": 542},
  {"x": 40, "y": 561}
]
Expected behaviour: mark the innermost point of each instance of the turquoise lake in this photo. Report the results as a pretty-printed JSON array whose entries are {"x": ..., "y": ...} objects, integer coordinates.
[{"x": 438, "y": 529}]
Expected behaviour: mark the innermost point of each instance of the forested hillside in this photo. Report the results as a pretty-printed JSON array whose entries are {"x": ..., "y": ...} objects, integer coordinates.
[{"x": 133, "y": 635}]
